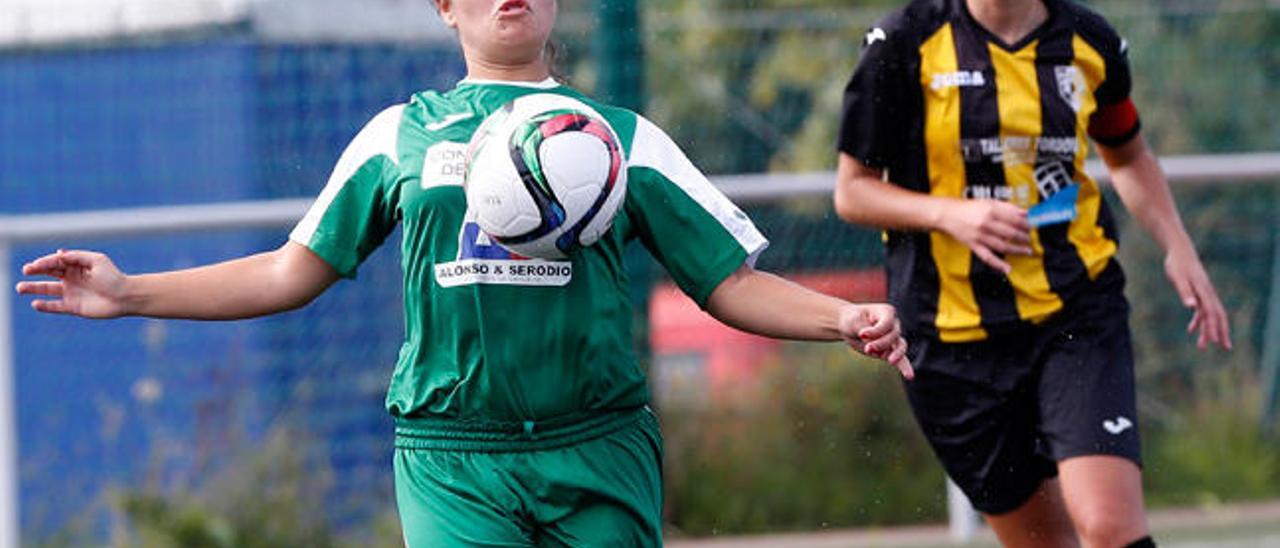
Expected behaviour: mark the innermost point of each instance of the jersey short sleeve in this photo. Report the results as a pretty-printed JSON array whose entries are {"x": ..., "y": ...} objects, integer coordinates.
[
  {"x": 356, "y": 211},
  {"x": 870, "y": 122},
  {"x": 1114, "y": 50},
  {"x": 689, "y": 226},
  {"x": 1116, "y": 120}
]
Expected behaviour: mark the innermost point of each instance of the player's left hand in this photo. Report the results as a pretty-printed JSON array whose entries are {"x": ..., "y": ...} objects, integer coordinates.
[
  {"x": 1209, "y": 317},
  {"x": 874, "y": 330}
]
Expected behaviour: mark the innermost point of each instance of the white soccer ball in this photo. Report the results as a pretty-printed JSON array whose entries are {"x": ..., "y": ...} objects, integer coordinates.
[{"x": 545, "y": 176}]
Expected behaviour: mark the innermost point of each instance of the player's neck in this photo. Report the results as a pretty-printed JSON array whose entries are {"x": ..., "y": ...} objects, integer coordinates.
[
  {"x": 1009, "y": 20},
  {"x": 479, "y": 69}
]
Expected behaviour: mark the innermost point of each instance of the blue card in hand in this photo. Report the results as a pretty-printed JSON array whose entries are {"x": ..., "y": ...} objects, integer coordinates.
[{"x": 1059, "y": 208}]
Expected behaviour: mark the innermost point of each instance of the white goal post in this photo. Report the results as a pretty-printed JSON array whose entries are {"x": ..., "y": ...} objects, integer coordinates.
[{"x": 745, "y": 189}]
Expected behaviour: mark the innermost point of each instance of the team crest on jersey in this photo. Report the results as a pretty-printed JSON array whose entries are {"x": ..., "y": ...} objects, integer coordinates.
[
  {"x": 1070, "y": 85},
  {"x": 482, "y": 261},
  {"x": 444, "y": 164}
]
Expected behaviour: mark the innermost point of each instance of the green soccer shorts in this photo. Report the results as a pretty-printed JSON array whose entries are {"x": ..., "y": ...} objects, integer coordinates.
[{"x": 602, "y": 491}]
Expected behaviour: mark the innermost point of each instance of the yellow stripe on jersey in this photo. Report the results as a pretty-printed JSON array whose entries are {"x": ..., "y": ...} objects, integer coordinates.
[
  {"x": 1018, "y": 100},
  {"x": 1091, "y": 243},
  {"x": 958, "y": 317}
]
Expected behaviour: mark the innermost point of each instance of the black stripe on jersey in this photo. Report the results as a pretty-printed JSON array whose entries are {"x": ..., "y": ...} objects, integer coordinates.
[
  {"x": 912, "y": 251},
  {"x": 909, "y": 254},
  {"x": 1108, "y": 222},
  {"x": 1054, "y": 53},
  {"x": 980, "y": 119}
]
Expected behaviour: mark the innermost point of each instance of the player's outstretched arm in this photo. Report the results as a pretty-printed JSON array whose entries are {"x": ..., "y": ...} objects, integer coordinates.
[
  {"x": 991, "y": 228},
  {"x": 88, "y": 284},
  {"x": 1145, "y": 192},
  {"x": 765, "y": 304}
]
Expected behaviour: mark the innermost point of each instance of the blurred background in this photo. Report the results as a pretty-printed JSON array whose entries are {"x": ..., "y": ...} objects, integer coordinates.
[{"x": 170, "y": 133}]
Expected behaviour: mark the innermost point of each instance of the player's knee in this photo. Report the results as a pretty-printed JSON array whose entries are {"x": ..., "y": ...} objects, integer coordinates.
[{"x": 1107, "y": 529}]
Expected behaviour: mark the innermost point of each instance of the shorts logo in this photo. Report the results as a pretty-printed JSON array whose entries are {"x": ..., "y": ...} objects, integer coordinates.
[
  {"x": 483, "y": 261},
  {"x": 1117, "y": 426}
]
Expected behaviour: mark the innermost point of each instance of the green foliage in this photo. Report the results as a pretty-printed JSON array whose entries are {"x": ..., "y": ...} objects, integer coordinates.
[
  {"x": 261, "y": 501},
  {"x": 819, "y": 440},
  {"x": 272, "y": 496},
  {"x": 1216, "y": 454},
  {"x": 161, "y": 522},
  {"x": 769, "y": 75},
  {"x": 1203, "y": 73}
]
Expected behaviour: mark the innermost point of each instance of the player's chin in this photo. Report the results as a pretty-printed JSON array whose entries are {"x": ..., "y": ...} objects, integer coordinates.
[{"x": 519, "y": 36}]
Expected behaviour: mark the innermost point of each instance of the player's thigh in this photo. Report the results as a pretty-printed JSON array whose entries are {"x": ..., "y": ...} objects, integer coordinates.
[
  {"x": 452, "y": 498},
  {"x": 1103, "y": 494},
  {"x": 975, "y": 403},
  {"x": 603, "y": 492}
]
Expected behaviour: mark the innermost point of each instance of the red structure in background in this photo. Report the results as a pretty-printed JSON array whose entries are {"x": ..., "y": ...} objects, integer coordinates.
[{"x": 680, "y": 328}]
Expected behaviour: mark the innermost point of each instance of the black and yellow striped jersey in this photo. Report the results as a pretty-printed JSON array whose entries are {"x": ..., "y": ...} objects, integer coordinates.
[{"x": 947, "y": 108}]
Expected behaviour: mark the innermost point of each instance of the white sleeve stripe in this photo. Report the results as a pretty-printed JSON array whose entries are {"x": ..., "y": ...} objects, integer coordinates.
[
  {"x": 755, "y": 255},
  {"x": 378, "y": 138},
  {"x": 652, "y": 148}
]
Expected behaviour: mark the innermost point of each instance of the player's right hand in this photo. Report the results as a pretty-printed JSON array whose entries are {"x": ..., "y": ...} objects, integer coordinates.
[
  {"x": 991, "y": 228},
  {"x": 87, "y": 284}
]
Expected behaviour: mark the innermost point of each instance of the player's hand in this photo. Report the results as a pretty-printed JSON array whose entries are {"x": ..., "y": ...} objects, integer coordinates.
[
  {"x": 991, "y": 228},
  {"x": 874, "y": 330},
  {"x": 1209, "y": 317},
  {"x": 87, "y": 284}
]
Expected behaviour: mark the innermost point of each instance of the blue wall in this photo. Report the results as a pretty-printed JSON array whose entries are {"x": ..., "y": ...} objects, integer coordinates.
[{"x": 144, "y": 404}]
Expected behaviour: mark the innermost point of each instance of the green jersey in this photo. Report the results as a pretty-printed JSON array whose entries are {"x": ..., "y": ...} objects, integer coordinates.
[{"x": 492, "y": 338}]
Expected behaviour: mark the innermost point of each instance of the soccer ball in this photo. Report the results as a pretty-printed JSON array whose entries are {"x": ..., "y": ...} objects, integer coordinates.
[{"x": 545, "y": 176}]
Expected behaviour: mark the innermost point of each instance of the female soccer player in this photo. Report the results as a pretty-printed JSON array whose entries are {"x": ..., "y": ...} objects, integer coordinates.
[
  {"x": 521, "y": 414},
  {"x": 964, "y": 134}
]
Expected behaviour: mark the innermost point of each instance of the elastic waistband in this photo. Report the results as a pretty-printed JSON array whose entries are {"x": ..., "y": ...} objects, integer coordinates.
[{"x": 503, "y": 436}]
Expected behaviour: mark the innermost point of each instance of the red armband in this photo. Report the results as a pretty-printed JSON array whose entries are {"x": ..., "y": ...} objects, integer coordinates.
[{"x": 1114, "y": 124}]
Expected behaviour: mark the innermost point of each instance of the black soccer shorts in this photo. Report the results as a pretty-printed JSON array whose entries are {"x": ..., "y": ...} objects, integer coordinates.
[{"x": 1000, "y": 413}]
